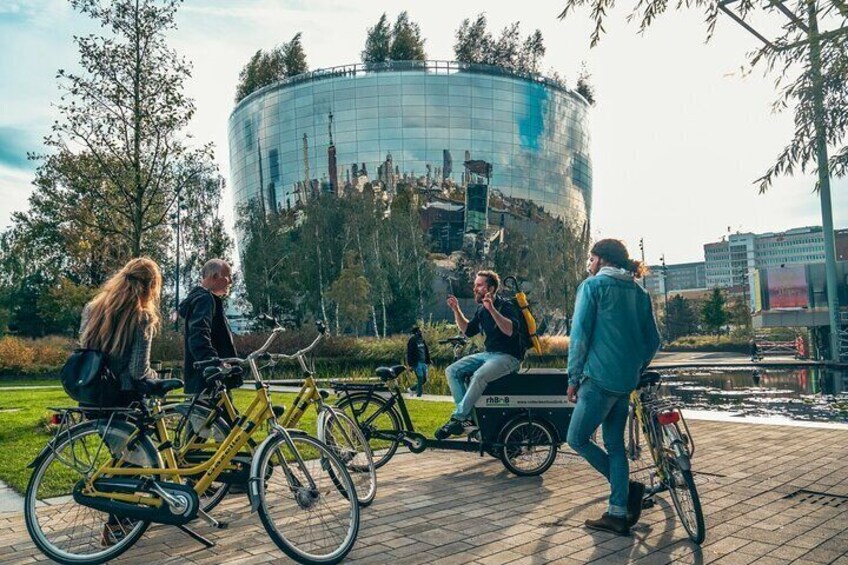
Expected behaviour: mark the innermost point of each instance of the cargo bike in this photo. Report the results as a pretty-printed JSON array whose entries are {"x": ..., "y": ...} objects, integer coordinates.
[{"x": 522, "y": 418}]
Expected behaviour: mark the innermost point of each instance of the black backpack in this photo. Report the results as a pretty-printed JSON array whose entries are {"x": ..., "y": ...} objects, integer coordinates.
[{"x": 87, "y": 379}]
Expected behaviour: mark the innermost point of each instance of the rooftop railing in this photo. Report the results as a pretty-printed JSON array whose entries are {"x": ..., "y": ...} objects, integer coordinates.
[{"x": 430, "y": 67}]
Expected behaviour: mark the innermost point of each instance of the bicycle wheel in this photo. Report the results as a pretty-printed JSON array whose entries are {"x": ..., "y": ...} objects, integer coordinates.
[
  {"x": 187, "y": 428},
  {"x": 684, "y": 496},
  {"x": 371, "y": 413},
  {"x": 64, "y": 530},
  {"x": 343, "y": 436},
  {"x": 529, "y": 448},
  {"x": 311, "y": 524}
]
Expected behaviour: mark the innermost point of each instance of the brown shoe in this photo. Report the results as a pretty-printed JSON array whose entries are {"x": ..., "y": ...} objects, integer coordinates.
[{"x": 611, "y": 524}]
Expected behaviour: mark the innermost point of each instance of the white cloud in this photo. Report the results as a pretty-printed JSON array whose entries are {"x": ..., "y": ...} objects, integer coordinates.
[{"x": 679, "y": 134}]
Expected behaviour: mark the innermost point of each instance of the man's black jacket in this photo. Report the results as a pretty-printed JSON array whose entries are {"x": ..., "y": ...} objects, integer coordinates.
[
  {"x": 207, "y": 334},
  {"x": 412, "y": 352}
]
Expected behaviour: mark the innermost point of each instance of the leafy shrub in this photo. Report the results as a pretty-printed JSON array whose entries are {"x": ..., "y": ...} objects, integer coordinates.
[
  {"x": 33, "y": 355},
  {"x": 708, "y": 343}
]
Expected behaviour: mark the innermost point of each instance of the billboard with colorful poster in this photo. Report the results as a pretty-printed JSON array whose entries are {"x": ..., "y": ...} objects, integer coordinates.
[{"x": 787, "y": 287}]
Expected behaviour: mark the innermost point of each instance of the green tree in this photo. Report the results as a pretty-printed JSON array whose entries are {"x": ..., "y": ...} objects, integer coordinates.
[
  {"x": 681, "y": 320},
  {"x": 532, "y": 51},
  {"x": 738, "y": 312},
  {"x": 713, "y": 314},
  {"x": 126, "y": 112},
  {"x": 267, "y": 67},
  {"x": 407, "y": 43},
  {"x": 62, "y": 303},
  {"x": 506, "y": 49},
  {"x": 351, "y": 293},
  {"x": 585, "y": 87},
  {"x": 378, "y": 42},
  {"x": 294, "y": 56},
  {"x": 473, "y": 41}
]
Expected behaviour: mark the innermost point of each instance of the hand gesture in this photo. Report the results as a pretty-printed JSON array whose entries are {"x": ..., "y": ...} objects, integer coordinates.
[
  {"x": 453, "y": 303},
  {"x": 487, "y": 302}
]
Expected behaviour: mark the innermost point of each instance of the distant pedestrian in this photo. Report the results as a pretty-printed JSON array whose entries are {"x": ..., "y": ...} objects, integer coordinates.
[
  {"x": 418, "y": 358},
  {"x": 755, "y": 351}
]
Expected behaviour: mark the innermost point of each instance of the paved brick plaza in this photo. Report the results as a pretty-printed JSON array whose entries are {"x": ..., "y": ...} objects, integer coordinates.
[{"x": 443, "y": 507}]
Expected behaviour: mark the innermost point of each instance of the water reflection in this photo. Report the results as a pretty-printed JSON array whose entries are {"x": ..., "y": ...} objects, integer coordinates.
[{"x": 803, "y": 394}]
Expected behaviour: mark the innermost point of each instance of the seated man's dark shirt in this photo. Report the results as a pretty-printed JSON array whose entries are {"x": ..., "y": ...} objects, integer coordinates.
[{"x": 496, "y": 341}]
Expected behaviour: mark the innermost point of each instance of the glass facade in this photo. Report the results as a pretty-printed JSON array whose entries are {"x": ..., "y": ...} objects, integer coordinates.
[{"x": 331, "y": 130}]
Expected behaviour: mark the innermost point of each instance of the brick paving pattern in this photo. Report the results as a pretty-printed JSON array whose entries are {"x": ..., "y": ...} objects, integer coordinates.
[{"x": 453, "y": 508}]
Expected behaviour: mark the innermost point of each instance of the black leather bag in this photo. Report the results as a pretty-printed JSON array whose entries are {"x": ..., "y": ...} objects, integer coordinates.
[{"x": 87, "y": 379}]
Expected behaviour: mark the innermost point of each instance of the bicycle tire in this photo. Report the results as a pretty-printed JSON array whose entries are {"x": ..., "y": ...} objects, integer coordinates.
[
  {"x": 221, "y": 429},
  {"x": 305, "y": 499},
  {"x": 680, "y": 486},
  {"x": 68, "y": 527},
  {"x": 380, "y": 453},
  {"x": 356, "y": 454},
  {"x": 521, "y": 432}
]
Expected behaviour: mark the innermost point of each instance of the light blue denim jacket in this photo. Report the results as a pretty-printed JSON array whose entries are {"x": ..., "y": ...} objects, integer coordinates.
[{"x": 613, "y": 333}]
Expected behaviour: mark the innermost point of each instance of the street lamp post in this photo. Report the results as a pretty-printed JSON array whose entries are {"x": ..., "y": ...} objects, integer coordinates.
[
  {"x": 177, "y": 270},
  {"x": 814, "y": 39},
  {"x": 665, "y": 294}
]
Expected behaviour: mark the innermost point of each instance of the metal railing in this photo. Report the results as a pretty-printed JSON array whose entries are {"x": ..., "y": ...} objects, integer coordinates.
[{"x": 430, "y": 67}]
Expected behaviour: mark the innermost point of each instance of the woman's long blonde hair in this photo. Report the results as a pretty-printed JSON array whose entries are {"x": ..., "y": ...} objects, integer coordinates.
[{"x": 129, "y": 299}]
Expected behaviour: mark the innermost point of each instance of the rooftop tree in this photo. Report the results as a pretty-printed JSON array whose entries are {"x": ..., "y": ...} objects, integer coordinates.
[
  {"x": 407, "y": 43},
  {"x": 378, "y": 42},
  {"x": 268, "y": 67}
]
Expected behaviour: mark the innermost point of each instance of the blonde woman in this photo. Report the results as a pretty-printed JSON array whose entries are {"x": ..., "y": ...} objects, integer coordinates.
[{"x": 122, "y": 320}]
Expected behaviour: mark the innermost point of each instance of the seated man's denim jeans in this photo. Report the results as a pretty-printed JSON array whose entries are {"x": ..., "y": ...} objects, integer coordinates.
[
  {"x": 481, "y": 368},
  {"x": 599, "y": 407}
]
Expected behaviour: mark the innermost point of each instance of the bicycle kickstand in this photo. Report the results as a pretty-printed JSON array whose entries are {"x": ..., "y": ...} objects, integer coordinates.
[{"x": 196, "y": 537}]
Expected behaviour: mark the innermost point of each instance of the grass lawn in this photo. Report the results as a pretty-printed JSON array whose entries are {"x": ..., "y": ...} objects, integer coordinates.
[{"x": 23, "y": 414}]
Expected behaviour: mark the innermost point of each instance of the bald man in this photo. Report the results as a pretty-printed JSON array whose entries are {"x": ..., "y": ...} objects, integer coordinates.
[{"x": 207, "y": 332}]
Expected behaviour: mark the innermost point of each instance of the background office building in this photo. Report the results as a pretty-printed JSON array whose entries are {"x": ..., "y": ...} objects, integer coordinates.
[
  {"x": 728, "y": 262},
  {"x": 340, "y": 129},
  {"x": 675, "y": 278}
]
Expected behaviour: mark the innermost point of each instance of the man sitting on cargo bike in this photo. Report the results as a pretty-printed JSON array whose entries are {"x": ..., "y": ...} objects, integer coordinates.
[{"x": 497, "y": 319}]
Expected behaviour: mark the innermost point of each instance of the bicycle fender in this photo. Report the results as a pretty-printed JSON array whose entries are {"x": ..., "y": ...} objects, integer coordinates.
[
  {"x": 681, "y": 457},
  {"x": 253, "y": 482}
]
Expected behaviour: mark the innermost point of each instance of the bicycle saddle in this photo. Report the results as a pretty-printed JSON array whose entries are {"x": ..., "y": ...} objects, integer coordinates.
[
  {"x": 648, "y": 378},
  {"x": 157, "y": 387},
  {"x": 389, "y": 373}
]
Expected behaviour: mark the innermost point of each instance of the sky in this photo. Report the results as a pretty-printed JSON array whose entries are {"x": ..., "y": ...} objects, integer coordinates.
[{"x": 680, "y": 131}]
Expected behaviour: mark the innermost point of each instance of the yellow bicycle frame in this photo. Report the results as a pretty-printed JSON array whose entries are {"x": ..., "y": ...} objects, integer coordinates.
[{"x": 259, "y": 412}]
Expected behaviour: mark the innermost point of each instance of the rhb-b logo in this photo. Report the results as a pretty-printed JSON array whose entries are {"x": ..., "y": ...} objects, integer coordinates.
[{"x": 497, "y": 401}]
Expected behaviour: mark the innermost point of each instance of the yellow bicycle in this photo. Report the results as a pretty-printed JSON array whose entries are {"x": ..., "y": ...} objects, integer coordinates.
[
  {"x": 670, "y": 445},
  {"x": 205, "y": 419},
  {"x": 98, "y": 484}
]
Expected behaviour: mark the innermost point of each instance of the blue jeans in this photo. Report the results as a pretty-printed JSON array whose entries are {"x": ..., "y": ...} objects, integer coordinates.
[
  {"x": 421, "y": 374},
  {"x": 599, "y": 407},
  {"x": 481, "y": 369}
]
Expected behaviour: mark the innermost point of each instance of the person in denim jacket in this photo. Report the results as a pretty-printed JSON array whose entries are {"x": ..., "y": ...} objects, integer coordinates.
[{"x": 614, "y": 336}]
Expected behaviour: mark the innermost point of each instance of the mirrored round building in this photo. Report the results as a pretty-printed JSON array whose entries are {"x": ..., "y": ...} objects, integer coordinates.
[{"x": 339, "y": 129}]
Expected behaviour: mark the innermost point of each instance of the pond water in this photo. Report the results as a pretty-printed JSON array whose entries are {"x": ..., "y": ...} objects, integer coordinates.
[{"x": 812, "y": 395}]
